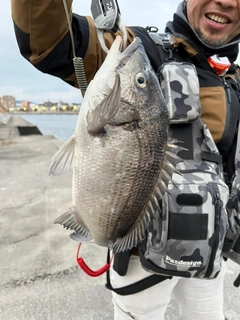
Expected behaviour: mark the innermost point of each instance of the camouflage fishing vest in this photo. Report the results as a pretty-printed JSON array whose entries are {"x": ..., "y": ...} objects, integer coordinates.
[
  {"x": 200, "y": 218},
  {"x": 231, "y": 249},
  {"x": 186, "y": 238}
]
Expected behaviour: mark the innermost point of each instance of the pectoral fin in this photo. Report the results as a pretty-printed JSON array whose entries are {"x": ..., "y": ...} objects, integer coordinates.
[
  {"x": 103, "y": 113},
  {"x": 62, "y": 161}
]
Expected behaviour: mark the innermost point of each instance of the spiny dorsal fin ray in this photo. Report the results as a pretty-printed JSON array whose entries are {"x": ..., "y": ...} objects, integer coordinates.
[
  {"x": 171, "y": 159},
  {"x": 158, "y": 193},
  {"x": 173, "y": 146},
  {"x": 155, "y": 200},
  {"x": 62, "y": 161},
  {"x": 68, "y": 220},
  {"x": 166, "y": 175}
]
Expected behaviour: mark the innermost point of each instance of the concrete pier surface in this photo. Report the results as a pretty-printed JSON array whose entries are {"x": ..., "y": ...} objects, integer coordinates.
[{"x": 40, "y": 279}]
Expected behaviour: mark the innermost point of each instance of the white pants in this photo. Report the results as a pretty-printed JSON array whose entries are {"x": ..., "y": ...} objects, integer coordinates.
[{"x": 198, "y": 299}]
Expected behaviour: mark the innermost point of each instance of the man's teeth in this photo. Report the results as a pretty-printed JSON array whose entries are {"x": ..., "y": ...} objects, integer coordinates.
[{"x": 217, "y": 18}]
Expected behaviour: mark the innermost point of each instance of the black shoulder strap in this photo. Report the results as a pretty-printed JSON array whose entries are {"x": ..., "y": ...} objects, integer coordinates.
[
  {"x": 136, "y": 286},
  {"x": 168, "y": 52},
  {"x": 164, "y": 44}
]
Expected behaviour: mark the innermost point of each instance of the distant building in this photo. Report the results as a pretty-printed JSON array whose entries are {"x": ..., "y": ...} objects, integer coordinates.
[
  {"x": 2, "y": 109},
  {"x": 26, "y": 105},
  {"x": 8, "y": 102},
  {"x": 48, "y": 104}
]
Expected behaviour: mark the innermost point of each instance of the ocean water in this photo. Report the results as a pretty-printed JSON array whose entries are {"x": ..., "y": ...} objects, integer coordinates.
[{"x": 61, "y": 126}]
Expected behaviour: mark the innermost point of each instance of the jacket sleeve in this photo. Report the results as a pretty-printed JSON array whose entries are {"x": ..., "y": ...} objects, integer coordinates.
[{"x": 43, "y": 38}]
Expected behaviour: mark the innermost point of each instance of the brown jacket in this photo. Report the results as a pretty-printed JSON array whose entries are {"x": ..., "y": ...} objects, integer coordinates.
[{"x": 43, "y": 38}]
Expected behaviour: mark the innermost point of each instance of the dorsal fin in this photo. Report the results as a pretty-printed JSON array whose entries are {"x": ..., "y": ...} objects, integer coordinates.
[
  {"x": 171, "y": 159},
  {"x": 137, "y": 233}
]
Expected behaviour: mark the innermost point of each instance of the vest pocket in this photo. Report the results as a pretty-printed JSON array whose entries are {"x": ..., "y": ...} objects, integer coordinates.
[
  {"x": 196, "y": 226},
  {"x": 192, "y": 228}
]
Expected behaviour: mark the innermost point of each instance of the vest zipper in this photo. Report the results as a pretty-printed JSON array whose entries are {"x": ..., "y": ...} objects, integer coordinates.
[
  {"x": 228, "y": 90},
  {"x": 217, "y": 205}
]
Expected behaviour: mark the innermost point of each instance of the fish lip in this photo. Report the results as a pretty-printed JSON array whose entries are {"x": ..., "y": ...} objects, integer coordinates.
[
  {"x": 126, "y": 54},
  {"x": 221, "y": 15},
  {"x": 131, "y": 47}
]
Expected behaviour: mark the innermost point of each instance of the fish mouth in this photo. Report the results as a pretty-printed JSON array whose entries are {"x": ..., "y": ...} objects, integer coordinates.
[
  {"x": 133, "y": 46},
  {"x": 126, "y": 54}
]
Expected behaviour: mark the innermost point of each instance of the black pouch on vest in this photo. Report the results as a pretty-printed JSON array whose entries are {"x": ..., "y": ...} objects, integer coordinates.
[{"x": 121, "y": 260}]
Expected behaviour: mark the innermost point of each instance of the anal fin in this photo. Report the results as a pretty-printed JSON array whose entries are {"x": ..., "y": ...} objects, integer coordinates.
[{"x": 68, "y": 220}]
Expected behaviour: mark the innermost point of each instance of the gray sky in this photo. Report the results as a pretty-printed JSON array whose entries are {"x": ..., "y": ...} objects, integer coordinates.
[{"x": 20, "y": 79}]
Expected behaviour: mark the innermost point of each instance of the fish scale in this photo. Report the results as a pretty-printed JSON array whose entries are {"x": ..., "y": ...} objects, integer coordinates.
[{"x": 120, "y": 153}]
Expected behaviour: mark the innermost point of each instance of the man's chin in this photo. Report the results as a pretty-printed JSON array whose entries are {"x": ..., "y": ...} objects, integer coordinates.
[
  {"x": 214, "y": 43},
  {"x": 210, "y": 40}
]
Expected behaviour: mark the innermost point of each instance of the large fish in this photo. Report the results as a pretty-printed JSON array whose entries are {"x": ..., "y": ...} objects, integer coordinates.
[{"x": 120, "y": 154}]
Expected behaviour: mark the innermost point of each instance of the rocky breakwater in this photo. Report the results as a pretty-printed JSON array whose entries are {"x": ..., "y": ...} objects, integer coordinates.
[{"x": 15, "y": 126}]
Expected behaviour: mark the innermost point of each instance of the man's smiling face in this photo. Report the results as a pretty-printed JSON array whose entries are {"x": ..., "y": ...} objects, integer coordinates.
[{"x": 215, "y": 21}]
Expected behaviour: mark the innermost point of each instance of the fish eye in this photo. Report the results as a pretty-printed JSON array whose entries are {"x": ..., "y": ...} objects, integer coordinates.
[{"x": 141, "y": 80}]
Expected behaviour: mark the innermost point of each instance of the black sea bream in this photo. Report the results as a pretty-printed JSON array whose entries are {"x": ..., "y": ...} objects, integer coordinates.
[{"x": 120, "y": 153}]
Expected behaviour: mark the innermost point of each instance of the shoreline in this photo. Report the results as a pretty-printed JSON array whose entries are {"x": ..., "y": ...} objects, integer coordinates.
[{"x": 42, "y": 113}]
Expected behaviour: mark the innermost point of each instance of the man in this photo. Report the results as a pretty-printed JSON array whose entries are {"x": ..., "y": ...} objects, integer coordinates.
[{"x": 201, "y": 29}]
